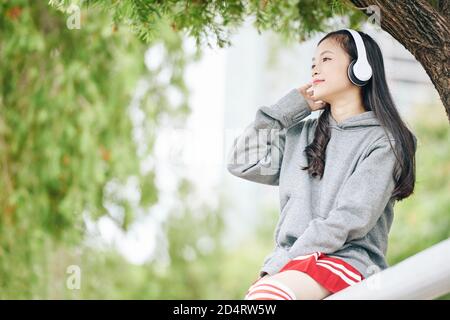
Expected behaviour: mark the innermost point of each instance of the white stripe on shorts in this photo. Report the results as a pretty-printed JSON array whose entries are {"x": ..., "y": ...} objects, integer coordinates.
[
  {"x": 339, "y": 273},
  {"x": 343, "y": 268}
]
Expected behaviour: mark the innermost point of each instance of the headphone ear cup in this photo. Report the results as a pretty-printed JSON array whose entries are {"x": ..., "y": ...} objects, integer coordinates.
[{"x": 352, "y": 77}]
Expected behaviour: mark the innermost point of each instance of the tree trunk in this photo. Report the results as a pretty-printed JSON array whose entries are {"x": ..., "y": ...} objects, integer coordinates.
[{"x": 423, "y": 31}]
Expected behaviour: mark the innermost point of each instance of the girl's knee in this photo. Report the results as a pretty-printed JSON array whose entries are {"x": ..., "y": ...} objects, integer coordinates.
[
  {"x": 302, "y": 284},
  {"x": 268, "y": 288}
]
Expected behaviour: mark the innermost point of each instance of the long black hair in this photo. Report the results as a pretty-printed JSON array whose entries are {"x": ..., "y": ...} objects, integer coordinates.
[{"x": 377, "y": 98}]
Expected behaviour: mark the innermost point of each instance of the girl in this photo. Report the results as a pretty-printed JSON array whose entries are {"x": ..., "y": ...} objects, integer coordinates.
[{"x": 338, "y": 175}]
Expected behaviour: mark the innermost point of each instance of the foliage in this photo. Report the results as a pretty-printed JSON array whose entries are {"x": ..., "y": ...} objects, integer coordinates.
[
  {"x": 201, "y": 19},
  {"x": 66, "y": 130}
]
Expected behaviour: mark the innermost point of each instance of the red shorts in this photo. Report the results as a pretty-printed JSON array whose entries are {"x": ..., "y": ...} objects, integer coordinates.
[{"x": 332, "y": 273}]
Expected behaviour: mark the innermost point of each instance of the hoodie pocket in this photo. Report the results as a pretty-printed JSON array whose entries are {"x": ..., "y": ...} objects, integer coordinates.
[{"x": 293, "y": 221}]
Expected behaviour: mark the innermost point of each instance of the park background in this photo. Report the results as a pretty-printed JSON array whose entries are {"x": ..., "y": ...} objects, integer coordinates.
[{"x": 113, "y": 155}]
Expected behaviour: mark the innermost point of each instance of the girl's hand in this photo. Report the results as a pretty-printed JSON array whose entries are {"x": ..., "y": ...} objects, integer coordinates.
[{"x": 308, "y": 93}]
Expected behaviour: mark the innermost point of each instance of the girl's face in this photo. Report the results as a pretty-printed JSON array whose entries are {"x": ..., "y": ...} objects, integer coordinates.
[{"x": 330, "y": 65}]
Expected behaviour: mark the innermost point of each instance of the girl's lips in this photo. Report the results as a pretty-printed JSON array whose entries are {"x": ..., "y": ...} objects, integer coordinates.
[{"x": 318, "y": 81}]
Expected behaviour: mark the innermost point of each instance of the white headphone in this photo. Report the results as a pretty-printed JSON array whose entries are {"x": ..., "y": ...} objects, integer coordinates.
[{"x": 359, "y": 70}]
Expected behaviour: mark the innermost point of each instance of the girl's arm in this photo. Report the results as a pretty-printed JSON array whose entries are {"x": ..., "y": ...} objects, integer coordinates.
[{"x": 257, "y": 153}]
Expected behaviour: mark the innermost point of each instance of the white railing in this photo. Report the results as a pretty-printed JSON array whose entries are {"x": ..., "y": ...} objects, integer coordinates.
[{"x": 425, "y": 275}]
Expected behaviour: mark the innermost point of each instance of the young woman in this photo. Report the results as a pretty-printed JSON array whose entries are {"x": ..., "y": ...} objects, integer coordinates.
[{"x": 338, "y": 175}]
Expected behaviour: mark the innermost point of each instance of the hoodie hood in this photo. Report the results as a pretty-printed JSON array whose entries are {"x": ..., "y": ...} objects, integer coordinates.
[{"x": 365, "y": 119}]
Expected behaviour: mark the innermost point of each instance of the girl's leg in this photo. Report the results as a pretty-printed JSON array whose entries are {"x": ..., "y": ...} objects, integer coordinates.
[{"x": 287, "y": 285}]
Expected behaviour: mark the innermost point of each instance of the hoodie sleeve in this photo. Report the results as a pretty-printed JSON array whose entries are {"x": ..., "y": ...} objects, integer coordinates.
[
  {"x": 361, "y": 202},
  {"x": 257, "y": 153}
]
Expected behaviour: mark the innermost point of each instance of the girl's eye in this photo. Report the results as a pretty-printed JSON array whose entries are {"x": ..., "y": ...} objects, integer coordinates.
[{"x": 323, "y": 59}]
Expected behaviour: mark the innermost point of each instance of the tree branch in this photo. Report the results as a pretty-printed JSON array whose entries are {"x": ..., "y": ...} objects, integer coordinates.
[{"x": 422, "y": 30}]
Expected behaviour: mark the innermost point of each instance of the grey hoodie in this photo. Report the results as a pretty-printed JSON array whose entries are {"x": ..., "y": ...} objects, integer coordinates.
[{"x": 348, "y": 213}]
